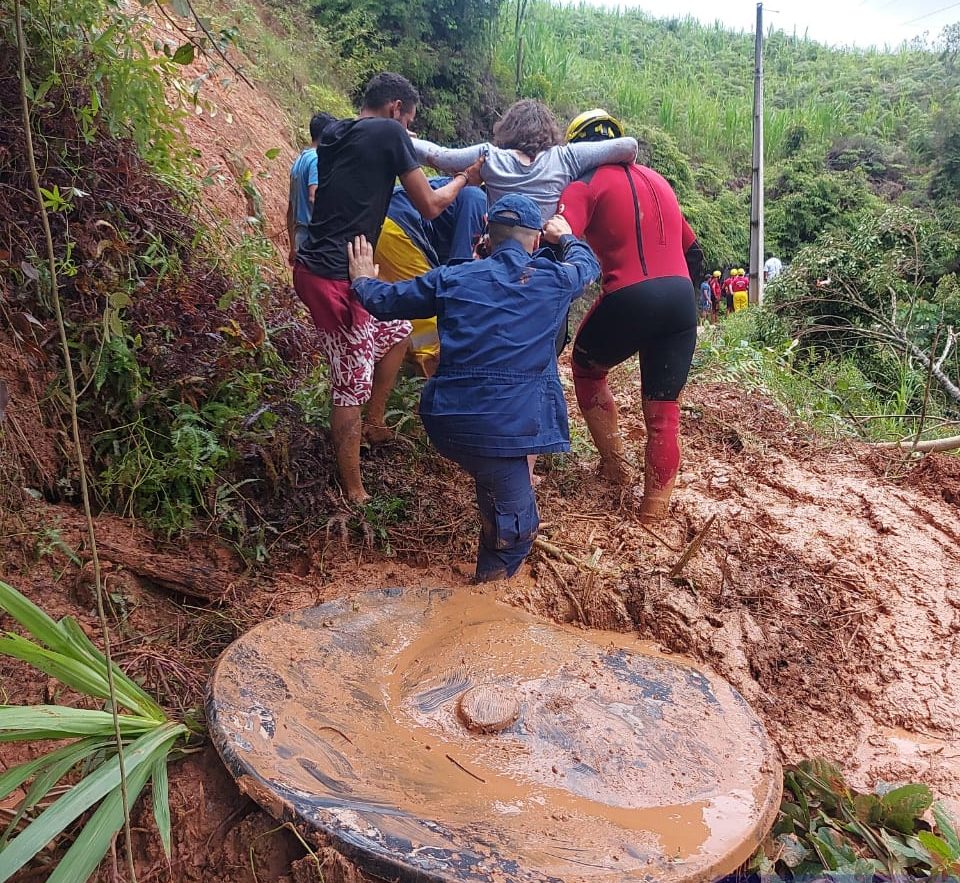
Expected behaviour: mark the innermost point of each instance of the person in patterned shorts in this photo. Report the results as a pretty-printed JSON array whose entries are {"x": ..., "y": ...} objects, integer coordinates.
[{"x": 358, "y": 162}]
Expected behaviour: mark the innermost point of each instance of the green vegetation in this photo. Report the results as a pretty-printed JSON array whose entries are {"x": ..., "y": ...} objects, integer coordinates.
[
  {"x": 830, "y": 392},
  {"x": 63, "y": 651},
  {"x": 828, "y": 829},
  {"x": 876, "y": 127}
]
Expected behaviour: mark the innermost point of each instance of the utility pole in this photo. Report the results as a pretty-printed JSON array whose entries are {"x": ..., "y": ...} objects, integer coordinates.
[{"x": 756, "y": 191}]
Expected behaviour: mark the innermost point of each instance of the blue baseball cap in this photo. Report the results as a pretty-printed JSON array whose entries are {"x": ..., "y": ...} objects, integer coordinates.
[{"x": 515, "y": 210}]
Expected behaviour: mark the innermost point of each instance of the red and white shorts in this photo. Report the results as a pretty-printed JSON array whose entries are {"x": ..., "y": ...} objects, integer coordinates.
[{"x": 350, "y": 338}]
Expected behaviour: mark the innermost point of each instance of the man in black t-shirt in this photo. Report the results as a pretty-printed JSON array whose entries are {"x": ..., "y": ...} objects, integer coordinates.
[{"x": 359, "y": 161}]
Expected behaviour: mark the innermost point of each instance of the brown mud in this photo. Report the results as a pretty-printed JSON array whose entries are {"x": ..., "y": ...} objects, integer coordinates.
[{"x": 826, "y": 592}]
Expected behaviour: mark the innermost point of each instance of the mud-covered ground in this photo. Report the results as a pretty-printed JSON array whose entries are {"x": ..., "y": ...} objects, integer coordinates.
[{"x": 825, "y": 590}]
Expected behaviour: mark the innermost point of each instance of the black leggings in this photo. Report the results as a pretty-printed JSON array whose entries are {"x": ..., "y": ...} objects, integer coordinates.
[{"x": 656, "y": 319}]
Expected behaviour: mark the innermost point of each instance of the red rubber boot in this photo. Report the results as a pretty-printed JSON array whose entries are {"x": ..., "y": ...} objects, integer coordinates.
[{"x": 662, "y": 458}]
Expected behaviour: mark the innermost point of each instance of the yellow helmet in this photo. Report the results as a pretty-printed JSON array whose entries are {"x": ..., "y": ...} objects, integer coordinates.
[
  {"x": 717, "y": 273},
  {"x": 592, "y": 125}
]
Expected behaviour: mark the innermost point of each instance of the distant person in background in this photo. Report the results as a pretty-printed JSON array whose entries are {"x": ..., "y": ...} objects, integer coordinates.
[
  {"x": 740, "y": 287},
  {"x": 410, "y": 246},
  {"x": 772, "y": 267},
  {"x": 303, "y": 185},
  {"x": 649, "y": 256},
  {"x": 705, "y": 303},
  {"x": 726, "y": 290},
  {"x": 715, "y": 294},
  {"x": 358, "y": 163}
]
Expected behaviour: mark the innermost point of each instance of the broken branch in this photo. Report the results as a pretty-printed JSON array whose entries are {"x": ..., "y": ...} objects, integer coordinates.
[{"x": 692, "y": 549}]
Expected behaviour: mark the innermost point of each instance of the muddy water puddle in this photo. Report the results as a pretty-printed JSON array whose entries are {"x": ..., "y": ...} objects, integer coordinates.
[{"x": 614, "y": 763}]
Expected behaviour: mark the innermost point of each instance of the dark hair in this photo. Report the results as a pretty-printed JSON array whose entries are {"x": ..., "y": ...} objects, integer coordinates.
[
  {"x": 319, "y": 122},
  {"x": 387, "y": 87},
  {"x": 527, "y": 126}
]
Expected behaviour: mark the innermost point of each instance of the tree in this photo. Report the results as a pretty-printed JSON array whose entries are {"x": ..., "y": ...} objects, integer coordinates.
[
  {"x": 442, "y": 46},
  {"x": 876, "y": 286}
]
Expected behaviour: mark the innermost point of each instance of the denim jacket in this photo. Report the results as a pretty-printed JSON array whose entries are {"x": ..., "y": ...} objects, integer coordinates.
[{"x": 496, "y": 392}]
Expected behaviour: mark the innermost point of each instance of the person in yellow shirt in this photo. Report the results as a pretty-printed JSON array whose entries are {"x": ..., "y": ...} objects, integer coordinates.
[{"x": 410, "y": 246}]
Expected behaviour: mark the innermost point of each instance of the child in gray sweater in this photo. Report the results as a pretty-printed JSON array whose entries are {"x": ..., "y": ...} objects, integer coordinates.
[{"x": 527, "y": 156}]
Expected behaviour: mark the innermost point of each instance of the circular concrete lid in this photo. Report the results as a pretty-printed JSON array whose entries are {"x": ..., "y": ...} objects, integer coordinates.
[{"x": 442, "y": 736}]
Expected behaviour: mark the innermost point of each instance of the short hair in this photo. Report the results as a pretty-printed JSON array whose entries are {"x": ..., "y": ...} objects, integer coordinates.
[
  {"x": 387, "y": 87},
  {"x": 528, "y": 126},
  {"x": 502, "y": 232},
  {"x": 319, "y": 122}
]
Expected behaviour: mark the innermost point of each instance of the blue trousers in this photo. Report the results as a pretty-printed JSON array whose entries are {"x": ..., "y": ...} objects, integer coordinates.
[{"x": 508, "y": 511}]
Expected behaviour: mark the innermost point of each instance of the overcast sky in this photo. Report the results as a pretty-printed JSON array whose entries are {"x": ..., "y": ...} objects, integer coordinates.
[{"x": 836, "y": 22}]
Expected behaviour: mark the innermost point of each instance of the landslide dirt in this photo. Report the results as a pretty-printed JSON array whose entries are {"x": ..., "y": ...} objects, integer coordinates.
[
  {"x": 244, "y": 142},
  {"x": 826, "y": 588},
  {"x": 826, "y": 591}
]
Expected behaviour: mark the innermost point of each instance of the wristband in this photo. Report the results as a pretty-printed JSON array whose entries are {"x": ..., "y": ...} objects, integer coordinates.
[{"x": 463, "y": 175}]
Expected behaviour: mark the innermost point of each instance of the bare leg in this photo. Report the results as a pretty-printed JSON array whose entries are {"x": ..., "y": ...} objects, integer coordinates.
[
  {"x": 600, "y": 412},
  {"x": 384, "y": 377},
  {"x": 604, "y": 428},
  {"x": 345, "y": 429}
]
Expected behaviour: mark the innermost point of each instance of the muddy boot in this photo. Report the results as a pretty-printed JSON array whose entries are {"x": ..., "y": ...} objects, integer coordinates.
[{"x": 662, "y": 458}]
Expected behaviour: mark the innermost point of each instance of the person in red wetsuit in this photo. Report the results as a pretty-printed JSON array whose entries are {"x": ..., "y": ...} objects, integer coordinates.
[
  {"x": 716, "y": 294},
  {"x": 726, "y": 289},
  {"x": 630, "y": 216}
]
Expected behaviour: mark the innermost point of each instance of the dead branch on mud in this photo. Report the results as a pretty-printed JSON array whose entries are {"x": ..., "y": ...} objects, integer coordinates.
[
  {"x": 692, "y": 549},
  {"x": 178, "y": 575},
  {"x": 931, "y": 445},
  {"x": 563, "y": 554},
  {"x": 567, "y": 591}
]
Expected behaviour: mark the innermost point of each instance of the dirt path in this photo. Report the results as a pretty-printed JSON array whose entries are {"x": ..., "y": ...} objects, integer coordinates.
[{"x": 826, "y": 593}]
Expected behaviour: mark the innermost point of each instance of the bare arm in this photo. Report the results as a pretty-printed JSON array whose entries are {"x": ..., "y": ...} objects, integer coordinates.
[
  {"x": 431, "y": 203},
  {"x": 448, "y": 159},
  {"x": 291, "y": 228},
  {"x": 586, "y": 155}
]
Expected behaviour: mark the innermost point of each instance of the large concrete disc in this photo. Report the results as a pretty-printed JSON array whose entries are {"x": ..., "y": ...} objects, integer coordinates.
[{"x": 587, "y": 756}]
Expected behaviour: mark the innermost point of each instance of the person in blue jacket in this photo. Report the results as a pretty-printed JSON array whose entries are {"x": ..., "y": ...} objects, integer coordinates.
[{"x": 496, "y": 395}]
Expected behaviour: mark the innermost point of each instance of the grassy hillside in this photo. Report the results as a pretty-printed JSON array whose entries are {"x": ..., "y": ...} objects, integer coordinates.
[
  {"x": 696, "y": 82},
  {"x": 846, "y": 129}
]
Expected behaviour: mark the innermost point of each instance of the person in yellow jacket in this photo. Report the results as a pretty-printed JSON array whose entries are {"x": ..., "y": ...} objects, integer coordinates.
[
  {"x": 741, "y": 286},
  {"x": 410, "y": 246}
]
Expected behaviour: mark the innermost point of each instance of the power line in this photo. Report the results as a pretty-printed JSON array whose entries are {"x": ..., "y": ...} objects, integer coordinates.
[{"x": 927, "y": 15}]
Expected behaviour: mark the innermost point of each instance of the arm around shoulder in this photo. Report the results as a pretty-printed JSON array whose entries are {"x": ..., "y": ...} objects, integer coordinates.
[
  {"x": 590, "y": 154},
  {"x": 447, "y": 159}
]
